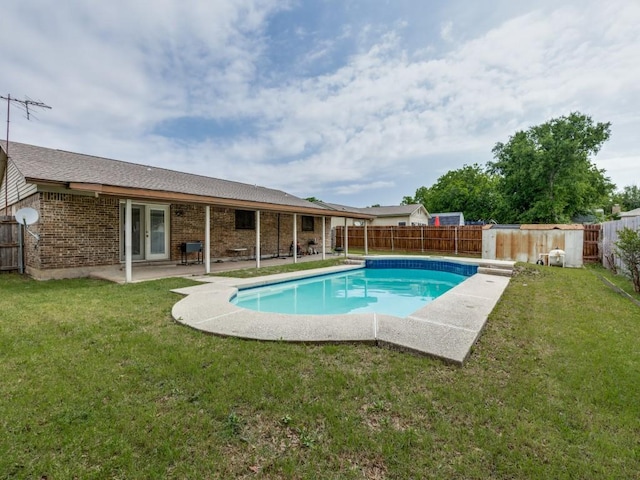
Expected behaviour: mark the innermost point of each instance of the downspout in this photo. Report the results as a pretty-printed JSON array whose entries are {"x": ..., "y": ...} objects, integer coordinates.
[{"x": 20, "y": 249}]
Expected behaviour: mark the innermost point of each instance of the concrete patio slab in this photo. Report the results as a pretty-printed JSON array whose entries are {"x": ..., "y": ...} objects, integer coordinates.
[
  {"x": 294, "y": 328},
  {"x": 436, "y": 339},
  {"x": 467, "y": 305}
]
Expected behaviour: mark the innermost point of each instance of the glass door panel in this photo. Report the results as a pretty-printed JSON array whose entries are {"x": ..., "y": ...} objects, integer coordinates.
[
  {"x": 137, "y": 231},
  {"x": 157, "y": 232}
]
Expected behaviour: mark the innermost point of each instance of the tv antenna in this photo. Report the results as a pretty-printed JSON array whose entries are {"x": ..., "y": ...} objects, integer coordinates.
[{"x": 25, "y": 105}]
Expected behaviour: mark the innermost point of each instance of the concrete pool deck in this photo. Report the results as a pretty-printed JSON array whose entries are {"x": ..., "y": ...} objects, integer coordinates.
[{"x": 446, "y": 328}]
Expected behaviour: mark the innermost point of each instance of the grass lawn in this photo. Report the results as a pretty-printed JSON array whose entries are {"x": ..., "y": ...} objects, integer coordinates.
[
  {"x": 97, "y": 381},
  {"x": 285, "y": 268}
]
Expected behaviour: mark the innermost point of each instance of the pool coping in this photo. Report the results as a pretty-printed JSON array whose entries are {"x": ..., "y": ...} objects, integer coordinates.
[{"x": 446, "y": 328}]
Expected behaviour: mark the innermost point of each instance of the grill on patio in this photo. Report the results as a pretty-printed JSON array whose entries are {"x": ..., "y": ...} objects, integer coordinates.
[{"x": 190, "y": 247}]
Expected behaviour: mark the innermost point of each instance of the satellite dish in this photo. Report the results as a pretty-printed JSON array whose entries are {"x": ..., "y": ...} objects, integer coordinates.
[{"x": 27, "y": 216}]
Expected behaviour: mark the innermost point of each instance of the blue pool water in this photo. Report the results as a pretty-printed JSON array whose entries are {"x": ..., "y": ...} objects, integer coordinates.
[{"x": 392, "y": 291}]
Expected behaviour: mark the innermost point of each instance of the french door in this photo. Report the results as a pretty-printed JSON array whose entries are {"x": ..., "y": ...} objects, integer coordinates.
[{"x": 149, "y": 232}]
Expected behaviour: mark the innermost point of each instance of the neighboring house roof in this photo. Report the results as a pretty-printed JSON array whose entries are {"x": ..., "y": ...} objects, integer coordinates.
[
  {"x": 394, "y": 210},
  {"x": 631, "y": 213},
  {"x": 339, "y": 208},
  {"x": 447, "y": 218},
  {"x": 77, "y": 171},
  {"x": 388, "y": 211}
]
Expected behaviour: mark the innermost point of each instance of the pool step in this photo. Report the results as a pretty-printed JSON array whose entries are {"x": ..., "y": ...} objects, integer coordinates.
[{"x": 502, "y": 271}]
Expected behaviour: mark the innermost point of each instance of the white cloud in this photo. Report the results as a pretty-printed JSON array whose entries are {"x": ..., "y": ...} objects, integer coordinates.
[
  {"x": 387, "y": 117},
  {"x": 446, "y": 31}
]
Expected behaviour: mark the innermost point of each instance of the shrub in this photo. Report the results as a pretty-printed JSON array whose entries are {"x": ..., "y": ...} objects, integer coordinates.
[{"x": 628, "y": 249}]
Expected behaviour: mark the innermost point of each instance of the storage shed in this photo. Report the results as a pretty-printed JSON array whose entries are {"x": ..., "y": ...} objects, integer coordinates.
[{"x": 526, "y": 243}]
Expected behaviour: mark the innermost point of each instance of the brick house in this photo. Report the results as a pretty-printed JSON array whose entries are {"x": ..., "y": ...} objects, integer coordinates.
[{"x": 97, "y": 212}]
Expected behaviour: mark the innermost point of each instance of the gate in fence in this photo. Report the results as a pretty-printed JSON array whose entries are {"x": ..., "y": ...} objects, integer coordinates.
[{"x": 9, "y": 245}]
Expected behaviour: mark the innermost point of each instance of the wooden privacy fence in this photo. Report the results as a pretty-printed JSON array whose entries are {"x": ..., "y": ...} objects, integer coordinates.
[
  {"x": 445, "y": 239},
  {"x": 8, "y": 244}
]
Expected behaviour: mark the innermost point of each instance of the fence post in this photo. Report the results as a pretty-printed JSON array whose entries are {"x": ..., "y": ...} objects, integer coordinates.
[
  {"x": 366, "y": 238},
  {"x": 422, "y": 238},
  {"x": 392, "y": 249},
  {"x": 456, "y": 239}
]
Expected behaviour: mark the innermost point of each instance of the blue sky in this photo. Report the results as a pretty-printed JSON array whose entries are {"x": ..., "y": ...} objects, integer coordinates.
[{"x": 353, "y": 102}]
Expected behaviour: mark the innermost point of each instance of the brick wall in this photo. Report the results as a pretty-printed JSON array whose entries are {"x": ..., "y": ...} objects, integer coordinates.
[
  {"x": 187, "y": 224},
  {"x": 84, "y": 231},
  {"x": 76, "y": 231}
]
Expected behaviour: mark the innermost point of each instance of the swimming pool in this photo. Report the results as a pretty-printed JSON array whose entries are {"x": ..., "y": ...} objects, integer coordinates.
[
  {"x": 445, "y": 328},
  {"x": 381, "y": 288}
]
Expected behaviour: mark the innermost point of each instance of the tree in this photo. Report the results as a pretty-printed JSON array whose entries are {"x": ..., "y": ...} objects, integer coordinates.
[
  {"x": 628, "y": 249},
  {"x": 470, "y": 190},
  {"x": 546, "y": 175},
  {"x": 629, "y": 198}
]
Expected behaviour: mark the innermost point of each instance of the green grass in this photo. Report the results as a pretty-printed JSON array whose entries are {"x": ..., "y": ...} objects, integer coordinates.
[
  {"x": 620, "y": 280},
  {"x": 99, "y": 382}
]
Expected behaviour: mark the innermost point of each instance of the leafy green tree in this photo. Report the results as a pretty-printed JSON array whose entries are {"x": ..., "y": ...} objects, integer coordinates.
[
  {"x": 629, "y": 198},
  {"x": 628, "y": 249},
  {"x": 470, "y": 190},
  {"x": 546, "y": 175}
]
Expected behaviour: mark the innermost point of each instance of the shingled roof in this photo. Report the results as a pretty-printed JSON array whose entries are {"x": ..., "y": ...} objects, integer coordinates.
[
  {"x": 392, "y": 210},
  {"x": 385, "y": 211},
  {"x": 41, "y": 165}
]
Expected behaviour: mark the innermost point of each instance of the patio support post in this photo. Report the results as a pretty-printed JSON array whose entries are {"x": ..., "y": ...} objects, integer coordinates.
[
  {"x": 324, "y": 242},
  {"x": 257, "y": 238},
  {"x": 346, "y": 238},
  {"x": 366, "y": 238},
  {"x": 127, "y": 242},
  {"x": 295, "y": 238},
  {"x": 207, "y": 239}
]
